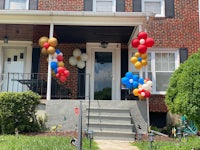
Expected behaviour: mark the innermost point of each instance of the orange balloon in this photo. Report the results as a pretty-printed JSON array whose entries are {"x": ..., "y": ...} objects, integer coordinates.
[
  {"x": 53, "y": 42},
  {"x": 133, "y": 60},
  {"x": 135, "y": 92},
  {"x": 61, "y": 64},
  {"x": 51, "y": 50},
  {"x": 43, "y": 40},
  {"x": 138, "y": 65},
  {"x": 44, "y": 51},
  {"x": 137, "y": 54},
  {"x": 144, "y": 56},
  {"x": 144, "y": 62}
]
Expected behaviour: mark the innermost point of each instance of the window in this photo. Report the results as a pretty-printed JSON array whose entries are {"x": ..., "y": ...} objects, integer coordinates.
[
  {"x": 104, "y": 5},
  {"x": 17, "y": 4},
  {"x": 155, "y": 6},
  {"x": 161, "y": 64}
]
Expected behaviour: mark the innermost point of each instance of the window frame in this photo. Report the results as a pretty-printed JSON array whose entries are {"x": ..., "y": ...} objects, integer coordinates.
[
  {"x": 144, "y": 71},
  {"x": 7, "y": 5},
  {"x": 162, "y": 6},
  {"x": 113, "y": 6}
]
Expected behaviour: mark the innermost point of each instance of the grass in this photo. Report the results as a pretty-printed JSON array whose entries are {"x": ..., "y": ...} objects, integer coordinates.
[
  {"x": 10, "y": 142},
  {"x": 192, "y": 142}
]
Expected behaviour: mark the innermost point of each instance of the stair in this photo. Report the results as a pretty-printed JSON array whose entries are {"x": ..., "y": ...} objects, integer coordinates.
[{"x": 112, "y": 124}]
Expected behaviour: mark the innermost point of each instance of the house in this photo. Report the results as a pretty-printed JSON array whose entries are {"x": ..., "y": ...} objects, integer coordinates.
[{"x": 104, "y": 31}]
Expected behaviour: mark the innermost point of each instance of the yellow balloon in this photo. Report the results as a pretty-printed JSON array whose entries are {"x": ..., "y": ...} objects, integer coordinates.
[
  {"x": 51, "y": 50},
  {"x": 44, "y": 51},
  {"x": 61, "y": 64},
  {"x": 144, "y": 62},
  {"x": 43, "y": 40},
  {"x": 53, "y": 42},
  {"x": 53, "y": 73},
  {"x": 138, "y": 65},
  {"x": 137, "y": 54},
  {"x": 144, "y": 56},
  {"x": 135, "y": 92},
  {"x": 141, "y": 97},
  {"x": 133, "y": 60}
]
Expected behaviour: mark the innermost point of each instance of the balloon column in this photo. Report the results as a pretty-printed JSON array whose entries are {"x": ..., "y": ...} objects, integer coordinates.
[
  {"x": 48, "y": 46},
  {"x": 78, "y": 58},
  {"x": 142, "y": 42},
  {"x": 141, "y": 87}
]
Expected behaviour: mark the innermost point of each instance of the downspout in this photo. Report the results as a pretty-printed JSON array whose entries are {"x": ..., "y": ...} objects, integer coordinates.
[{"x": 49, "y": 66}]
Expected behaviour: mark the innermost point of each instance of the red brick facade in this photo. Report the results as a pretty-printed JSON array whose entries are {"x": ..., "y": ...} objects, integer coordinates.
[{"x": 180, "y": 31}]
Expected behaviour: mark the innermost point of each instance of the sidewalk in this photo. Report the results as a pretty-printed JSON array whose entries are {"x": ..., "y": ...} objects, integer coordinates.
[{"x": 115, "y": 145}]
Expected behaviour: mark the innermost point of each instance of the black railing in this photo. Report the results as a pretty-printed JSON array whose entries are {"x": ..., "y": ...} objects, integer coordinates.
[{"x": 73, "y": 88}]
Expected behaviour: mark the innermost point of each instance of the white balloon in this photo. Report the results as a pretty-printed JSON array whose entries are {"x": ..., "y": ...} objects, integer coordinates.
[
  {"x": 145, "y": 86},
  {"x": 54, "y": 55},
  {"x": 54, "y": 60},
  {"x": 142, "y": 93},
  {"x": 81, "y": 64},
  {"x": 61, "y": 54},
  {"x": 76, "y": 52},
  {"x": 142, "y": 41},
  {"x": 84, "y": 57},
  {"x": 72, "y": 61},
  {"x": 130, "y": 80},
  {"x": 149, "y": 83}
]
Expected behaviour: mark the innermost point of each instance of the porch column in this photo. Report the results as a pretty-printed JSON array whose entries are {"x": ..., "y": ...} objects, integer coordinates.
[{"x": 49, "y": 66}]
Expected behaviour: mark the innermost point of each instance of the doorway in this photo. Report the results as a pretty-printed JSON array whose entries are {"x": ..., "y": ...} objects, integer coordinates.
[{"x": 104, "y": 69}]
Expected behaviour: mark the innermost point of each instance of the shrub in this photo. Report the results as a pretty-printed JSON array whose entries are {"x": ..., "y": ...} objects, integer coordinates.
[{"x": 17, "y": 111}]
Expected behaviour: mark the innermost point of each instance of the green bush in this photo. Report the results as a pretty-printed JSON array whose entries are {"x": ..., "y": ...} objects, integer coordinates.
[{"x": 17, "y": 111}]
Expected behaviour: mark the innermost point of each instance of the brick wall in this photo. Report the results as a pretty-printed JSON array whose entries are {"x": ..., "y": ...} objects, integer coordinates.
[{"x": 61, "y": 5}]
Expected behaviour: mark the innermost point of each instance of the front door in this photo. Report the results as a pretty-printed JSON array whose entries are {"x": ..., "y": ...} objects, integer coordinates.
[
  {"x": 13, "y": 68},
  {"x": 105, "y": 73}
]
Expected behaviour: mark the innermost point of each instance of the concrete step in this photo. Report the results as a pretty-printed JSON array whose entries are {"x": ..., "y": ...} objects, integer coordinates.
[
  {"x": 111, "y": 112},
  {"x": 108, "y": 118},
  {"x": 109, "y": 135},
  {"x": 111, "y": 127}
]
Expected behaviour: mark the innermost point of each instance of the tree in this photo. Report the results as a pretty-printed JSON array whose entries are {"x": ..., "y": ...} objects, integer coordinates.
[{"x": 183, "y": 93}]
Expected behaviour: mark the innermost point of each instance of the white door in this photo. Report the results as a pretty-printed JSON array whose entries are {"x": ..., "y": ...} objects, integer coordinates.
[
  {"x": 13, "y": 68},
  {"x": 104, "y": 67}
]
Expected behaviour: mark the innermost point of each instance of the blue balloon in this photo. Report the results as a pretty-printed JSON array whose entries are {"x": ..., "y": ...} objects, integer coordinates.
[
  {"x": 135, "y": 77},
  {"x": 125, "y": 80},
  {"x": 129, "y": 75},
  {"x": 54, "y": 65},
  {"x": 56, "y": 70},
  {"x": 129, "y": 86},
  {"x": 135, "y": 84},
  {"x": 57, "y": 51},
  {"x": 139, "y": 59},
  {"x": 141, "y": 81}
]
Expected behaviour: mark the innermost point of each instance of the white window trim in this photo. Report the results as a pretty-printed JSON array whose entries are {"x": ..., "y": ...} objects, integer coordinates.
[
  {"x": 162, "y": 6},
  {"x": 113, "y": 5},
  {"x": 153, "y": 51},
  {"x": 7, "y": 4}
]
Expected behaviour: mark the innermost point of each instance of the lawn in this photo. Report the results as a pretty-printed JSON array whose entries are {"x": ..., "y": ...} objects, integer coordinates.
[
  {"x": 10, "y": 142},
  {"x": 192, "y": 142}
]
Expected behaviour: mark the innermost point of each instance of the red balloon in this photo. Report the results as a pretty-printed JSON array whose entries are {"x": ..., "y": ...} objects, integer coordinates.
[
  {"x": 61, "y": 69},
  {"x": 66, "y": 73},
  {"x": 135, "y": 43},
  {"x": 63, "y": 78},
  {"x": 147, "y": 94},
  {"x": 57, "y": 75},
  {"x": 46, "y": 45},
  {"x": 149, "y": 42},
  {"x": 142, "y": 35},
  {"x": 60, "y": 58},
  {"x": 142, "y": 49}
]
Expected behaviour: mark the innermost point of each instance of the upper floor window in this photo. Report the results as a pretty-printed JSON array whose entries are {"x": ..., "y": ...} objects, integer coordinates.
[
  {"x": 17, "y": 4},
  {"x": 161, "y": 64},
  {"x": 104, "y": 5},
  {"x": 155, "y": 6}
]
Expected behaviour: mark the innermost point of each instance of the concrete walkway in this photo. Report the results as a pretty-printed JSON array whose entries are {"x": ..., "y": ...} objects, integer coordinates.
[{"x": 115, "y": 145}]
